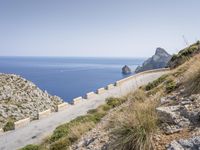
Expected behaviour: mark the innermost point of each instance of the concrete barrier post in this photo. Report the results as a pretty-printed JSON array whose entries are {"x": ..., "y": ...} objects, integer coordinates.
[
  {"x": 90, "y": 95},
  {"x": 22, "y": 123},
  {"x": 1, "y": 131},
  {"x": 77, "y": 100},
  {"x": 118, "y": 83},
  {"x": 110, "y": 86},
  {"x": 100, "y": 91},
  {"x": 44, "y": 114},
  {"x": 62, "y": 106}
]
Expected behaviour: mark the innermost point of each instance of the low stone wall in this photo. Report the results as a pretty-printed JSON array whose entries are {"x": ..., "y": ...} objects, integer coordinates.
[
  {"x": 22, "y": 123},
  {"x": 101, "y": 91},
  {"x": 62, "y": 106},
  {"x": 77, "y": 100},
  {"x": 90, "y": 95},
  {"x": 44, "y": 114},
  {"x": 120, "y": 82},
  {"x": 110, "y": 86}
]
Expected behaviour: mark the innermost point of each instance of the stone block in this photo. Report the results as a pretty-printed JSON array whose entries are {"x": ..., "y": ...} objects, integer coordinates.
[
  {"x": 101, "y": 90},
  {"x": 44, "y": 114},
  {"x": 77, "y": 100},
  {"x": 110, "y": 86},
  {"x": 90, "y": 95},
  {"x": 62, "y": 106},
  {"x": 22, "y": 123}
]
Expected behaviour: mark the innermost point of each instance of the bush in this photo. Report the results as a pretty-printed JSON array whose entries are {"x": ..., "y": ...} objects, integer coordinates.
[
  {"x": 61, "y": 144},
  {"x": 30, "y": 147},
  {"x": 170, "y": 86},
  {"x": 155, "y": 83},
  {"x": 114, "y": 102},
  {"x": 9, "y": 126}
]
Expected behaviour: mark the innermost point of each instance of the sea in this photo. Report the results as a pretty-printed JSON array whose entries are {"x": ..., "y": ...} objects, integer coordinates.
[{"x": 68, "y": 77}]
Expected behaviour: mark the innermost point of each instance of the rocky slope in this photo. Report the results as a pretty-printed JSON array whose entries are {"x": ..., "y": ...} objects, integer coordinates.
[
  {"x": 159, "y": 60},
  {"x": 20, "y": 98}
]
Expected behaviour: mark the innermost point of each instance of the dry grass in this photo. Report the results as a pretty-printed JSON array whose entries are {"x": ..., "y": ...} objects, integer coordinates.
[
  {"x": 135, "y": 125},
  {"x": 191, "y": 78},
  {"x": 77, "y": 131}
]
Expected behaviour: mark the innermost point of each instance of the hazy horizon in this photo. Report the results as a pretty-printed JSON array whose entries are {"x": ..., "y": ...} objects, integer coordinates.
[{"x": 106, "y": 28}]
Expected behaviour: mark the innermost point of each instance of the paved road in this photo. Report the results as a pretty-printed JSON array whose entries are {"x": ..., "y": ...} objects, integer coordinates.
[{"x": 37, "y": 130}]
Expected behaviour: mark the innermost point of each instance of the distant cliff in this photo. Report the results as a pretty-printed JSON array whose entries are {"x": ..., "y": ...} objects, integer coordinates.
[
  {"x": 20, "y": 98},
  {"x": 159, "y": 60}
]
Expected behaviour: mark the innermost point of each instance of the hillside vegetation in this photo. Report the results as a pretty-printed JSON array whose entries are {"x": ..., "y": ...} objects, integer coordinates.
[{"x": 184, "y": 55}]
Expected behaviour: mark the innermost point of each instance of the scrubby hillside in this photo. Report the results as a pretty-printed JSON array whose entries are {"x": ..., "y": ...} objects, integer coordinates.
[
  {"x": 184, "y": 55},
  {"x": 20, "y": 98},
  {"x": 164, "y": 114}
]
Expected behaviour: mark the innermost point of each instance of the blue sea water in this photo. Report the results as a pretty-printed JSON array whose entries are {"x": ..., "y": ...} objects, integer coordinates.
[{"x": 68, "y": 77}]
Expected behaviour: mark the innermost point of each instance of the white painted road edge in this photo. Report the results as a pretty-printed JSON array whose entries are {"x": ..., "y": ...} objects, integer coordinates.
[{"x": 34, "y": 132}]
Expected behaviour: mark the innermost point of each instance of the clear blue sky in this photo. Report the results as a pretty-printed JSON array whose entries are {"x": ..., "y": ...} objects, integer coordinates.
[{"x": 112, "y": 28}]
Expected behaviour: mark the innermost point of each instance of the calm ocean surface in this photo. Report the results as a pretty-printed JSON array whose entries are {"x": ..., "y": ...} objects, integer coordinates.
[{"x": 68, "y": 77}]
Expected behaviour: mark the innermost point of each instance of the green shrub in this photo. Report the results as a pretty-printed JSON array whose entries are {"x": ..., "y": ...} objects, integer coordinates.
[
  {"x": 114, "y": 102},
  {"x": 9, "y": 126},
  {"x": 155, "y": 83},
  {"x": 30, "y": 147},
  {"x": 170, "y": 86},
  {"x": 61, "y": 144}
]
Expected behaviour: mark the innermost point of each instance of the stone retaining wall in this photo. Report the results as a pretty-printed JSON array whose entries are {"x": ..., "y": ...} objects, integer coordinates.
[
  {"x": 62, "y": 106},
  {"x": 22, "y": 123},
  {"x": 44, "y": 114},
  {"x": 101, "y": 91}
]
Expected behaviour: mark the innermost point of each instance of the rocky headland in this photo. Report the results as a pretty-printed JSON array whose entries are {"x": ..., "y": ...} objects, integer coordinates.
[
  {"x": 20, "y": 98},
  {"x": 159, "y": 60}
]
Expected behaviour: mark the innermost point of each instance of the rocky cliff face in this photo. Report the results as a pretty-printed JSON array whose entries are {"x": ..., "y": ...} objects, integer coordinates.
[
  {"x": 20, "y": 98},
  {"x": 159, "y": 60}
]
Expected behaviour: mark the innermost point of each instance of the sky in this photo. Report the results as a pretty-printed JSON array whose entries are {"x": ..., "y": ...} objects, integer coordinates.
[{"x": 96, "y": 28}]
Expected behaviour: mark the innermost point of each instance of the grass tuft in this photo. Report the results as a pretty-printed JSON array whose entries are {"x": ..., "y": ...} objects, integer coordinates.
[
  {"x": 30, "y": 147},
  {"x": 191, "y": 78},
  {"x": 135, "y": 125}
]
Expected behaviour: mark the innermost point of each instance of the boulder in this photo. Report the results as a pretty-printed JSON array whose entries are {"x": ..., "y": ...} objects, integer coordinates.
[
  {"x": 126, "y": 70},
  {"x": 189, "y": 144},
  {"x": 159, "y": 60}
]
